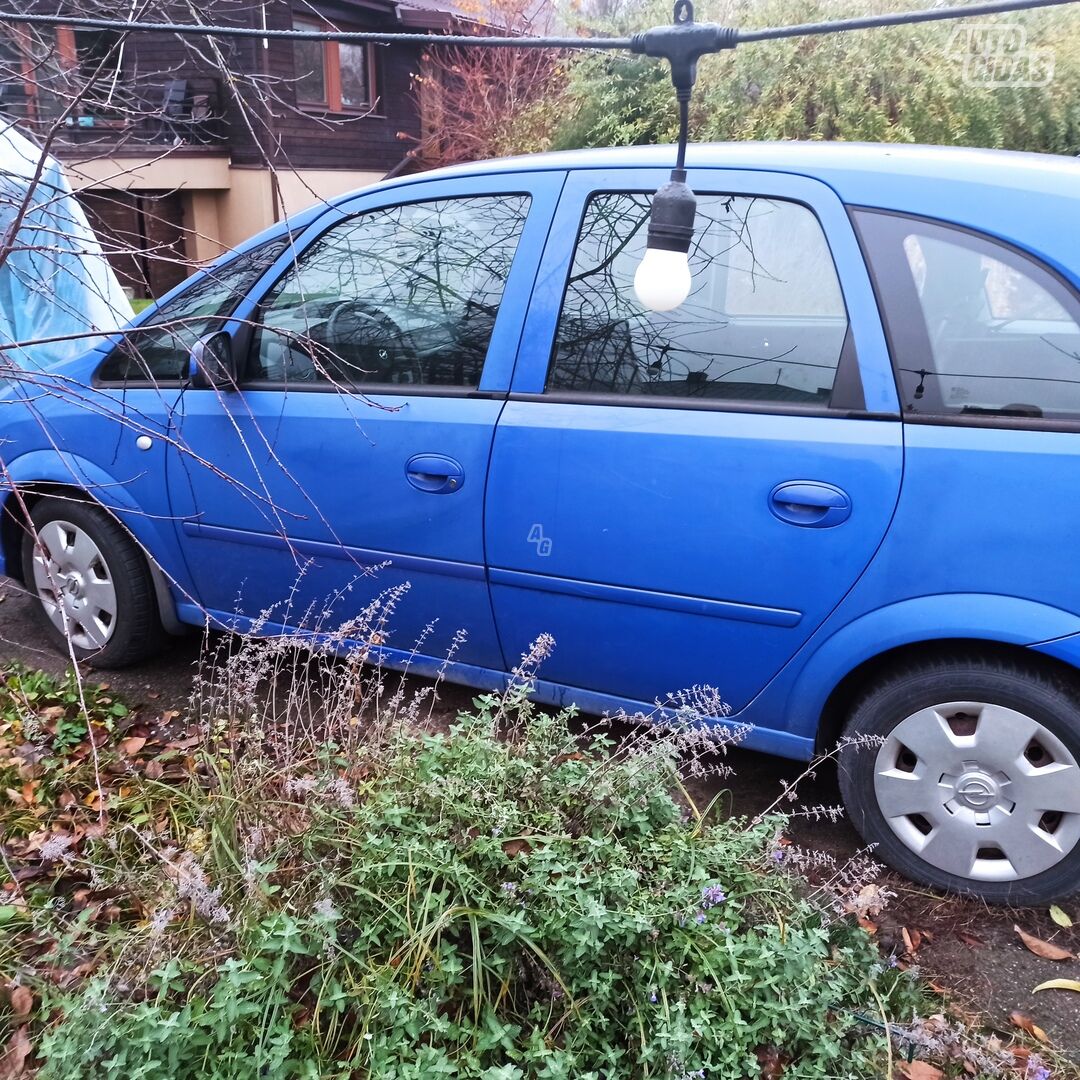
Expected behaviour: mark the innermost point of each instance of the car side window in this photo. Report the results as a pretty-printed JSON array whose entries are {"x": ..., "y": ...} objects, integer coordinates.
[
  {"x": 977, "y": 328},
  {"x": 405, "y": 295},
  {"x": 157, "y": 351},
  {"x": 765, "y": 320}
]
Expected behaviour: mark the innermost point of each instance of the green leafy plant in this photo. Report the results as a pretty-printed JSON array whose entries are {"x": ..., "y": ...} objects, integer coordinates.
[
  {"x": 912, "y": 84},
  {"x": 344, "y": 886}
]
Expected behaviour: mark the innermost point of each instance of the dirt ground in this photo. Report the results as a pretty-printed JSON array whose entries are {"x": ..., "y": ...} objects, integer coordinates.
[{"x": 971, "y": 951}]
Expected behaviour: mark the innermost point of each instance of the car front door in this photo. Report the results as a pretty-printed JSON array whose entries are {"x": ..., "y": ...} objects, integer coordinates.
[
  {"x": 680, "y": 499},
  {"x": 378, "y": 362}
]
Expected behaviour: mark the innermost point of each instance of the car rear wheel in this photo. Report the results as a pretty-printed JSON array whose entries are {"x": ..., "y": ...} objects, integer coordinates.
[
  {"x": 92, "y": 584},
  {"x": 965, "y": 774}
]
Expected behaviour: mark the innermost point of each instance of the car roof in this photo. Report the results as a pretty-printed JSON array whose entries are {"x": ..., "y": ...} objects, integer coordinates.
[
  {"x": 985, "y": 190},
  {"x": 1029, "y": 200},
  {"x": 849, "y": 165}
]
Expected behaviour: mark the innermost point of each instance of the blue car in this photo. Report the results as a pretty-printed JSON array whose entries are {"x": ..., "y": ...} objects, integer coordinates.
[{"x": 838, "y": 482}]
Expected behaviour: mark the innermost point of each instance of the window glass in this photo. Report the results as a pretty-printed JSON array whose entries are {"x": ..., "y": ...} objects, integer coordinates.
[
  {"x": 765, "y": 319},
  {"x": 309, "y": 59},
  {"x": 997, "y": 334},
  {"x": 158, "y": 350},
  {"x": 355, "y": 91},
  {"x": 402, "y": 295}
]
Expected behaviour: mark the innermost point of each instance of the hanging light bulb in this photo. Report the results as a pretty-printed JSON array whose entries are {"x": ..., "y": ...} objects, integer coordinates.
[{"x": 662, "y": 281}]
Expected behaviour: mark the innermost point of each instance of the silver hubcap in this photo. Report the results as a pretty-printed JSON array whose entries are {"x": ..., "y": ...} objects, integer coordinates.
[
  {"x": 979, "y": 791},
  {"x": 74, "y": 584}
]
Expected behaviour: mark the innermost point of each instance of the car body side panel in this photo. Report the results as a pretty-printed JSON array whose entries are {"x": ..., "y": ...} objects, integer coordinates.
[
  {"x": 326, "y": 521},
  {"x": 794, "y": 700},
  {"x": 113, "y": 490},
  {"x": 641, "y": 537},
  {"x": 760, "y": 738}
]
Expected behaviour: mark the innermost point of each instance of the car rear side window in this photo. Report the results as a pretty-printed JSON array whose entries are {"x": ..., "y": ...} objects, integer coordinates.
[
  {"x": 157, "y": 352},
  {"x": 977, "y": 328},
  {"x": 765, "y": 320},
  {"x": 405, "y": 295}
]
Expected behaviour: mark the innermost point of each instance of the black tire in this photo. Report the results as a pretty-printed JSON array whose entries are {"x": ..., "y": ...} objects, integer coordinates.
[
  {"x": 1049, "y": 699},
  {"x": 137, "y": 632}
]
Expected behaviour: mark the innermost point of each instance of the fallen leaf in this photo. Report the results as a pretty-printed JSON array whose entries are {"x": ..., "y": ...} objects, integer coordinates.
[
  {"x": 22, "y": 1001},
  {"x": 919, "y": 1070},
  {"x": 562, "y": 758},
  {"x": 1060, "y": 917},
  {"x": 154, "y": 769},
  {"x": 132, "y": 746},
  {"x": 1026, "y": 1022},
  {"x": 971, "y": 940},
  {"x": 912, "y": 940},
  {"x": 1043, "y": 948},
  {"x": 517, "y": 847},
  {"x": 15, "y": 1054},
  {"x": 1058, "y": 984},
  {"x": 184, "y": 744},
  {"x": 773, "y": 1062},
  {"x": 867, "y": 925}
]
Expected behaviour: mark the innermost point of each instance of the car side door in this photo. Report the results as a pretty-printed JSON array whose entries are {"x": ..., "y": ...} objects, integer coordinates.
[
  {"x": 681, "y": 499},
  {"x": 378, "y": 360}
]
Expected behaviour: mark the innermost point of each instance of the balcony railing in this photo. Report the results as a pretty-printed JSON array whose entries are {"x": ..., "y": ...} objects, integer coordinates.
[{"x": 180, "y": 112}]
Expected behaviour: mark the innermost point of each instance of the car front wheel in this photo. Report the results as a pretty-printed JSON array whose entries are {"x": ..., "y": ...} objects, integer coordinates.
[
  {"x": 92, "y": 584},
  {"x": 965, "y": 775}
]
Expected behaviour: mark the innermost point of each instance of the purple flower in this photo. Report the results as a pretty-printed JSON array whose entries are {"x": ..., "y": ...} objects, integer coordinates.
[
  {"x": 712, "y": 896},
  {"x": 699, "y": 918},
  {"x": 652, "y": 997},
  {"x": 777, "y": 855},
  {"x": 1036, "y": 1070}
]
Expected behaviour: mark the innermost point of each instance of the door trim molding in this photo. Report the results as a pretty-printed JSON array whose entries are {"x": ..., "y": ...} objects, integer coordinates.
[
  {"x": 321, "y": 549},
  {"x": 618, "y": 594}
]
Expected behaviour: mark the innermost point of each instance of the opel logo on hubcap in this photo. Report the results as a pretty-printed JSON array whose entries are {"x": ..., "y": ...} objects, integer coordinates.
[{"x": 978, "y": 792}]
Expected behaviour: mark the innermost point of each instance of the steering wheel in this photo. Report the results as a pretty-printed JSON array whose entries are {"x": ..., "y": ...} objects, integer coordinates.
[{"x": 367, "y": 345}]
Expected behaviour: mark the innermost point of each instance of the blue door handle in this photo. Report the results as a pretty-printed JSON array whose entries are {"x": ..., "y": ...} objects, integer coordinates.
[
  {"x": 810, "y": 504},
  {"x": 434, "y": 473}
]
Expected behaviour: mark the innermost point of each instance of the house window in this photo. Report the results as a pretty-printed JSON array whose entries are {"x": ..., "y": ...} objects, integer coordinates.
[
  {"x": 332, "y": 75},
  {"x": 41, "y": 72}
]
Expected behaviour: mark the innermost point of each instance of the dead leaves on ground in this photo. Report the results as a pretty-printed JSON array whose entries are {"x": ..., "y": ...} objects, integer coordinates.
[
  {"x": 64, "y": 782},
  {"x": 1026, "y": 1022},
  {"x": 1060, "y": 917},
  {"x": 14, "y": 1055},
  {"x": 1058, "y": 984},
  {"x": 1046, "y": 949},
  {"x": 918, "y": 1070}
]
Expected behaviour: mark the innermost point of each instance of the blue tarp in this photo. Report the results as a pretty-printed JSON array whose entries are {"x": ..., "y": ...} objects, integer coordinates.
[{"x": 55, "y": 281}]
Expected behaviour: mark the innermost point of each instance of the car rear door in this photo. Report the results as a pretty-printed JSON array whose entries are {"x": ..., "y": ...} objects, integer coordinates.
[
  {"x": 379, "y": 359},
  {"x": 682, "y": 499}
]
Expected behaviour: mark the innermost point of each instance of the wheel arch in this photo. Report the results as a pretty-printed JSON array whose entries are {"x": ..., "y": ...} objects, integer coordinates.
[
  {"x": 21, "y": 496},
  {"x": 838, "y": 705},
  {"x": 856, "y": 651}
]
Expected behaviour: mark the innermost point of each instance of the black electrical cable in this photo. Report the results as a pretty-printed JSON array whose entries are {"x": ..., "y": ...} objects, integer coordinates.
[
  {"x": 900, "y": 18},
  {"x": 344, "y": 36}
]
